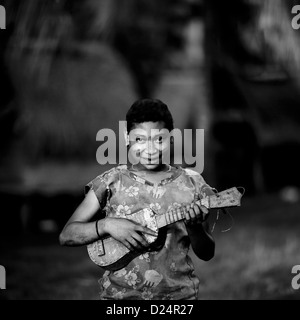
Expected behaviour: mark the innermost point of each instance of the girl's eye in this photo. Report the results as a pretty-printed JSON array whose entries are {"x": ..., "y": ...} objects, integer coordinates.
[
  {"x": 159, "y": 139},
  {"x": 139, "y": 139}
]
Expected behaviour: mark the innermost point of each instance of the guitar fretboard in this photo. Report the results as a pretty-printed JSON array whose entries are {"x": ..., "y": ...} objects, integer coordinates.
[
  {"x": 224, "y": 199},
  {"x": 170, "y": 217}
]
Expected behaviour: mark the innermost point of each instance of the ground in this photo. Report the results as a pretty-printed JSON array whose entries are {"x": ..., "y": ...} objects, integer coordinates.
[{"x": 253, "y": 260}]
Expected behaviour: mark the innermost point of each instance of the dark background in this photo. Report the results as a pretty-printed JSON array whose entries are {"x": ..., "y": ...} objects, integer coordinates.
[{"x": 70, "y": 68}]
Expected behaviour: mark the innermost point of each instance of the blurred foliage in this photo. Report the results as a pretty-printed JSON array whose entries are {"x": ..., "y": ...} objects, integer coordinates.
[
  {"x": 94, "y": 49},
  {"x": 249, "y": 36},
  {"x": 143, "y": 32},
  {"x": 250, "y": 47},
  {"x": 153, "y": 30}
]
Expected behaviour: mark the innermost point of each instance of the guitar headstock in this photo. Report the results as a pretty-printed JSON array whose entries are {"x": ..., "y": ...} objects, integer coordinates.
[{"x": 224, "y": 199}]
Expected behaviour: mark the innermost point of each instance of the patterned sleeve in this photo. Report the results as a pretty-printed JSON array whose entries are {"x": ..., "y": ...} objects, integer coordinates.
[
  {"x": 100, "y": 184},
  {"x": 201, "y": 186}
]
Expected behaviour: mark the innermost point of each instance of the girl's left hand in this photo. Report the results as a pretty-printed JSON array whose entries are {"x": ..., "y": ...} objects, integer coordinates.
[{"x": 194, "y": 213}]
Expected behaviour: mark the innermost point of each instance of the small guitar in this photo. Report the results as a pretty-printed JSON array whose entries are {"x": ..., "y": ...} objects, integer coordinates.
[{"x": 111, "y": 254}]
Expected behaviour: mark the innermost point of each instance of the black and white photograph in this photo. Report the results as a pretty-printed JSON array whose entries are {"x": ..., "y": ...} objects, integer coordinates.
[{"x": 149, "y": 150}]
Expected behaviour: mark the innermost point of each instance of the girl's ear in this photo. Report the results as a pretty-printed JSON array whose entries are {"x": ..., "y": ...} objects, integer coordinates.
[{"x": 126, "y": 137}]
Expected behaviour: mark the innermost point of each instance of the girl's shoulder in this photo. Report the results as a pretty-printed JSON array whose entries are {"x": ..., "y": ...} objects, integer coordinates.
[
  {"x": 195, "y": 176},
  {"x": 191, "y": 172},
  {"x": 111, "y": 174},
  {"x": 106, "y": 178}
]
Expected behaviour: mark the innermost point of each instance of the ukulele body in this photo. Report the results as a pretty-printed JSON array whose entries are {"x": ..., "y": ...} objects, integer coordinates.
[{"x": 111, "y": 254}]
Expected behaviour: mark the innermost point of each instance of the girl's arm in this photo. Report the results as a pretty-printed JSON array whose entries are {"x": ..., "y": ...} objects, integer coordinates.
[
  {"x": 202, "y": 241},
  {"x": 198, "y": 229},
  {"x": 79, "y": 231}
]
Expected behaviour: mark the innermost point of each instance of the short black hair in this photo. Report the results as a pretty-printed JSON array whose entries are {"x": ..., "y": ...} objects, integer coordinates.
[{"x": 149, "y": 110}]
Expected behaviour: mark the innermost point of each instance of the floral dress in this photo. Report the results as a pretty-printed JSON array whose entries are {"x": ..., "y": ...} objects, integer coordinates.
[{"x": 167, "y": 272}]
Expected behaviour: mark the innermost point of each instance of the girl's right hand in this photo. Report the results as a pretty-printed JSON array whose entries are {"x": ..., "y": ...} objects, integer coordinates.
[{"x": 128, "y": 232}]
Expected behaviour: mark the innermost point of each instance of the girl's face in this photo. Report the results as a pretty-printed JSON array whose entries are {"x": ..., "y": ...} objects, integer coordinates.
[{"x": 148, "y": 142}]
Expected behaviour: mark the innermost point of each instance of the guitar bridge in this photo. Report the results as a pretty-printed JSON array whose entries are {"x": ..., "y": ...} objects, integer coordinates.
[{"x": 99, "y": 248}]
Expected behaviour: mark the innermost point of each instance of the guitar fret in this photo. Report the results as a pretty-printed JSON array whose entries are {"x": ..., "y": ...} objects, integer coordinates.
[
  {"x": 171, "y": 216},
  {"x": 178, "y": 215},
  {"x": 174, "y": 215},
  {"x": 167, "y": 218}
]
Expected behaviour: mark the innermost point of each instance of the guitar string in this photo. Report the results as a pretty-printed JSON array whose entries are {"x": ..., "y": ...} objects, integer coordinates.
[
  {"x": 218, "y": 213},
  {"x": 226, "y": 211},
  {"x": 232, "y": 223}
]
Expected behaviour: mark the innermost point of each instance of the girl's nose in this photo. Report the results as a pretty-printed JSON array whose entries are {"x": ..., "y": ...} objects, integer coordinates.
[{"x": 151, "y": 149}]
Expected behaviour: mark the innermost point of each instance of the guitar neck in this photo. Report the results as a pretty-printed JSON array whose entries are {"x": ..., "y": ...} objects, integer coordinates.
[
  {"x": 167, "y": 218},
  {"x": 224, "y": 199}
]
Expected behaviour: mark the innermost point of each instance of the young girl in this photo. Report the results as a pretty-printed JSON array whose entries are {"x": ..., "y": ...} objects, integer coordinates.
[{"x": 164, "y": 271}]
